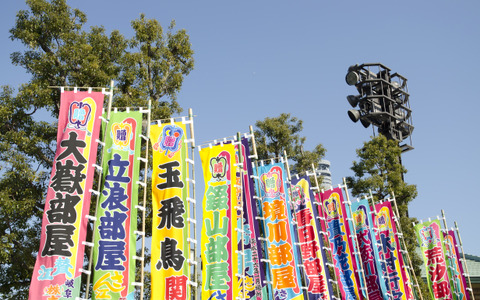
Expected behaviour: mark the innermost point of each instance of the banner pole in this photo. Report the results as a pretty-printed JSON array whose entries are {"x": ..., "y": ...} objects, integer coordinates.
[
  {"x": 144, "y": 204},
  {"x": 356, "y": 240},
  {"x": 192, "y": 204},
  {"x": 464, "y": 261},
  {"x": 99, "y": 187}
]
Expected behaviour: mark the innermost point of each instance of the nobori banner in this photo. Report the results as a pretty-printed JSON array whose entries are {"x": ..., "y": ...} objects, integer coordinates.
[
  {"x": 340, "y": 244},
  {"x": 250, "y": 266},
  {"x": 458, "y": 278},
  {"x": 219, "y": 237},
  {"x": 368, "y": 249},
  {"x": 311, "y": 245},
  {"x": 389, "y": 252},
  {"x": 56, "y": 274},
  {"x": 170, "y": 230},
  {"x": 280, "y": 249},
  {"x": 114, "y": 243},
  {"x": 431, "y": 242}
]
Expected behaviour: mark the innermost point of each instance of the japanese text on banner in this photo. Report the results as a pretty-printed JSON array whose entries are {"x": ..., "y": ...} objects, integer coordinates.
[
  {"x": 56, "y": 274},
  {"x": 170, "y": 249}
]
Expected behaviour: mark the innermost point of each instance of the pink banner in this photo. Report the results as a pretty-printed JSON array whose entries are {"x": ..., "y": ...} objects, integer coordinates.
[{"x": 56, "y": 274}]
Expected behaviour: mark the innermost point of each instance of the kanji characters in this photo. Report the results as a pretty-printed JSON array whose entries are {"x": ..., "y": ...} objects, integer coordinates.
[
  {"x": 217, "y": 249},
  {"x": 277, "y": 231},
  {"x": 217, "y": 197},
  {"x": 170, "y": 255},
  {"x": 62, "y": 209},
  {"x": 280, "y": 255},
  {"x": 217, "y": 276},
  {"x": 176, "y": 287},
  {"x": 111, "y": 255},
  {"x": 171, "y": 176},
  {"x": 216, "y": 227},
  {"x": 171, "y": 213},
  {"x": 274, "y": 210},
  {"x": 284, "y": 278},
  {"x": 111, "y": 225},
  {"x": 58, "y": 240},
  {"x": 68, "y": 177}
]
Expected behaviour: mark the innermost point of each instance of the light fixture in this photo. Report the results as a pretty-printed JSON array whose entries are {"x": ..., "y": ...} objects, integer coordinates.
[
  {"x": 353, "y": 100},
  {"x": 352, "y": 78},
  {"x": 365, "y": 123},
  {"x": 382, "y": 100},
  {"x": 354, "y": 115}
]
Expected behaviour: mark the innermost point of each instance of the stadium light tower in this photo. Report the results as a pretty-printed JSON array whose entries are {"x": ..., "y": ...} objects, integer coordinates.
[{"x": 383, "y": 101}]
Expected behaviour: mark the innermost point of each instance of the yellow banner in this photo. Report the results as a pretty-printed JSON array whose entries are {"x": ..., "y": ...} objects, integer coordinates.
[
  {"x": 170, "y": 210},
  {"x": 219, "y": 235}
]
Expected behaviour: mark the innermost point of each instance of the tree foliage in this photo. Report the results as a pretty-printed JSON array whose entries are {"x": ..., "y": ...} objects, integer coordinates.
[
  {"x": 380, "y": 172},
  {"x": 278, "y": 134},
  {"x": 59, "y": 51}
]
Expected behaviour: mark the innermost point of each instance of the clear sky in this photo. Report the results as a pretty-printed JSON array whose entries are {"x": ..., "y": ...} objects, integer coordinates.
[{"x": 257, "y": 59}]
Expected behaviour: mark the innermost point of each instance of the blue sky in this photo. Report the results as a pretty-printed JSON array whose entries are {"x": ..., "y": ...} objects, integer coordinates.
[{"x": 257, "y": 59}]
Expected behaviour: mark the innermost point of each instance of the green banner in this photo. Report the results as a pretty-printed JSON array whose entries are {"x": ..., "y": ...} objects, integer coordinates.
[
  {"x": 431, "y": 242},
  {"x": 114, "y": 247}
]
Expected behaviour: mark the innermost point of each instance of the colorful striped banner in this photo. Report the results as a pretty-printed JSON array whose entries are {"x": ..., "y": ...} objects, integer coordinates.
[
  {"x": 311, "y": 245},
  {"x": 389, "y": 252},
  {"x": 170, "y": 230},
  {"x": 254, "y": 282},
  {"x": 457, "y": 280},
  {"x": 432, "y": 246},
  {"x": 64, "y": 226},
  {"x": 219, "y": 237},
  {"x": 280, "y": 249},
  {"x": 375, "y": 283},
  {"x": 114, "y": 243},
  {"x": 341, "y": 245}
]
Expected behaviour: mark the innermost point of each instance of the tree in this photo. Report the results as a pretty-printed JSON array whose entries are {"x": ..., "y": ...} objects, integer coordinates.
[
  {"x": 60, "y": 52},
  {"x": 279, "y": 134},
  {"x": 379, "y": 171}
]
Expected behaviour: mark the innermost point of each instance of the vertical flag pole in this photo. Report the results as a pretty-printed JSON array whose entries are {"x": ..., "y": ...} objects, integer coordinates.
[
  {"x": 193, "y": 206},
  {"x": 144, "y": 203},
  {"x": 97, "y": 193},
  {"x": 419, "y": 291},
  {"x": 464, "y": 261},
  {"x": 356, "y": 239}
]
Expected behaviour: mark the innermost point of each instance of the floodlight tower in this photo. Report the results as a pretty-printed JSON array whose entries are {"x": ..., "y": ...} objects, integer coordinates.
[{"x": 383, "y": 101}]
